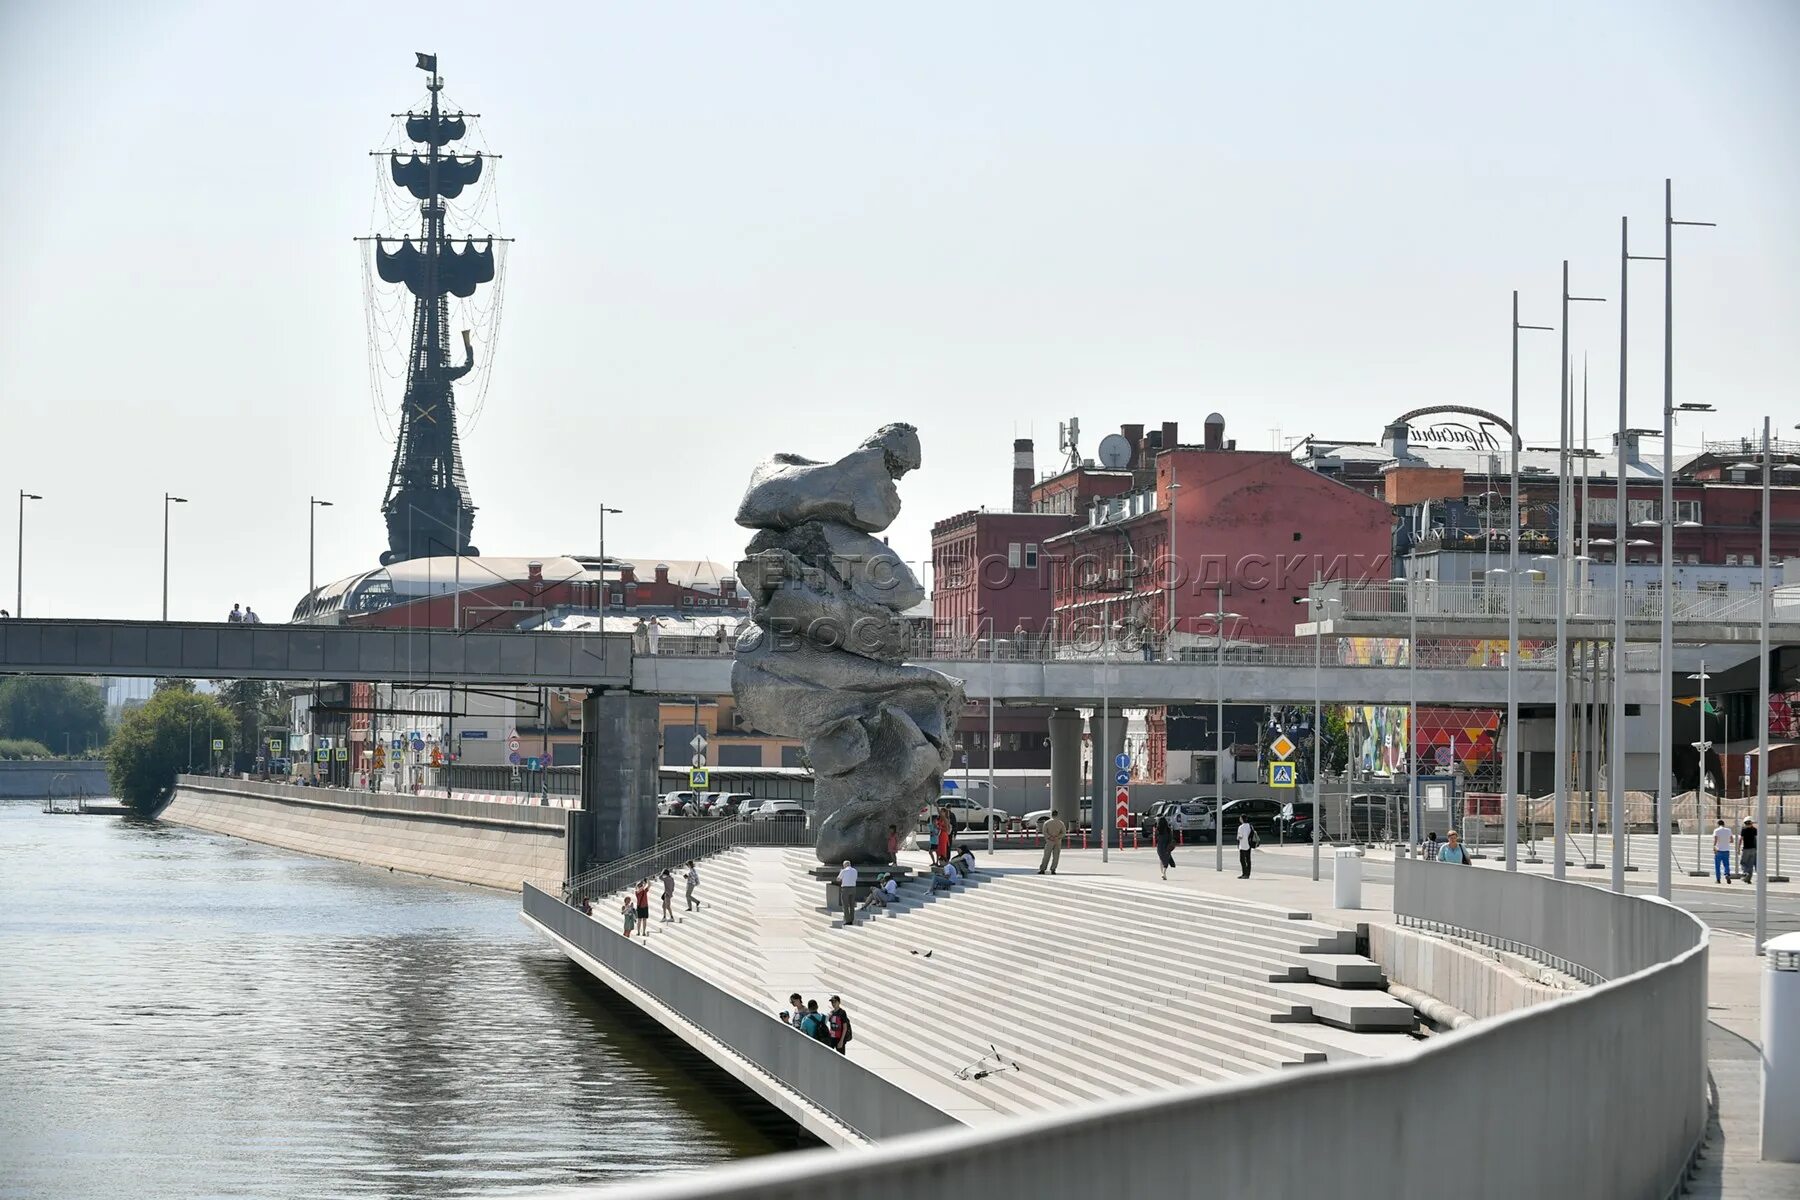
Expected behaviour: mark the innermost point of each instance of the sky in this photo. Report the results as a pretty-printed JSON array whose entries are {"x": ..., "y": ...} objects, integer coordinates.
[{"x": 744, "y": 229}]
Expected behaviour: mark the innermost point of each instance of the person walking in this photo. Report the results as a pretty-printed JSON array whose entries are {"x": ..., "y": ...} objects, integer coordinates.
[
  {"x": 1247, "y": 841},
  {"x": 236, "y": 616},
  {"x": 837, "y": 1025},
  {"x": 846, "y": 881},
  {"x": 1452, "y": 850},
  {"x": 1055, "y": 830},
  {"x": 1163, "y": 837},
  {"x": 250, "y": 617},
  {"x": 1429, "y": 851},
  {"x": 693, "y": 885},
  {"x": 628, "y": 911},
  {"x": 642, "y": 894},
  {"x": 1722, "y": 842},
  {"x": 1747, "y": 849},
  {"x": 668, "y": 895}
]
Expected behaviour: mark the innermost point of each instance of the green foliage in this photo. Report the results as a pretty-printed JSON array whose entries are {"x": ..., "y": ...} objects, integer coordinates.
[
  {"x": 153, "y": 743},
  {"x": 1335, "y": 749},
  {"x": 255, "y": 704},
  {"x": 17, "y": 748},
  {"x": 55, "y": 711}
]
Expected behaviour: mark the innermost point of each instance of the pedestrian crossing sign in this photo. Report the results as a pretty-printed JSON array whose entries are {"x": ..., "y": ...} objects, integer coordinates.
[
  {"x": 1281, "y": 774},
  {"x": 698, "y": 777}
]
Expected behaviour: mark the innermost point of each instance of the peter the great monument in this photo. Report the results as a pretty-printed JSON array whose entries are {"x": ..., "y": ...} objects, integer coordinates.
[{"x": 824, "y": 660}]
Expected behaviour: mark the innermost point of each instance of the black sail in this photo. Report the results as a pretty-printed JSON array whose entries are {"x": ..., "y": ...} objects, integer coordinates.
[
  {"x": 434, "y": 130},
  {"x": 453, "y": 175},
  {"x": 459, "y": 273}
]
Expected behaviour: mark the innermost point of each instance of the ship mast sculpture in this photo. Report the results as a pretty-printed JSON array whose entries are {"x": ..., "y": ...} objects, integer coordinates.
[
  {"x": 824, "y": 660},
  {"x": 427, "y": 506}
]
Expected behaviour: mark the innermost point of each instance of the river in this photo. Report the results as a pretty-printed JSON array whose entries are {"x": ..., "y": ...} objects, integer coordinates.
[{"x": 187, "y": 1015}]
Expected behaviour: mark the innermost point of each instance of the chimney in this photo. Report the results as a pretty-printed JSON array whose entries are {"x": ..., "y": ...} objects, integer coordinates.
[
  {"x": 1215, "y": 431},
  {"x": 1631, "y": 445},
  {"x": 534, "y": 571},
  {"x": 1169, "y": 440},
  {"x": 1135, "y": 435},
  {"x": 1395, "y": 438},
  {"x": 1023, "y": 473},
  {"x": 728, "y": 586},
  {"x": 662, "y": 572}
]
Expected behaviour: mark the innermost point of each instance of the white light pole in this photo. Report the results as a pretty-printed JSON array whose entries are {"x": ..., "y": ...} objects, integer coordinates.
[
  {"x": 1700, "y": 748},
  {"x": 1665, "y": 731},
  {"x": 313, "y": 505},
  {"x": 1565, "y": 502},
  {"x": 1762, "y": 706},
  {"x": 1102, "y": 743},
  {"x": 1219, "y": 733},
  {"x": 992, "y": 691},
  {"x": 1412, "y": 716},
  {"x": 603, "y": 592},
  {"x": 167, "y": 500},
  {"x": 1510, "y": 771},
  {"x": 1313, "y": 600},
  {"x": 19, "y": 600}
]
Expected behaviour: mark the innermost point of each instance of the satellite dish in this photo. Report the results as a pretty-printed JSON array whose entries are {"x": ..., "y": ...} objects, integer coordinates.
[{"x": 1115, "y": 451}]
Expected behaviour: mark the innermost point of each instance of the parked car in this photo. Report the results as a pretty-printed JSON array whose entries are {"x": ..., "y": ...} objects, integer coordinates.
[
  {"x": 778, "y": 810},
  {"x": 1036, "y": 817},
  {"x": 965, "y": 814},
  {"x": 1264, "y": 813},
  {"x": 1297, "y": 824},
  {"x": 678, "y": 804},
  {"x": 1368, "y": 813},
  {"x": 729, "y": 804},
  {"x": 1182, "y": 814}
]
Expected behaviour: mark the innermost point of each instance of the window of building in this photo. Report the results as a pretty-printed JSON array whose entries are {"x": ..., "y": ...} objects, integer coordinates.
[
  {"x": 1731, "y": 560},
  {"x": 790, "y": 757},
  {"x": 1012, "y": 555},
  {"x": 1710, "y": 586},
  {"x": 1687, "y": 510},
  {"x": 1749, "y": 560},
  {"x": 1031, "y": 556},
  {"x": 1477, "y": 578},
  {"x": 1693, "y": 560},
  {"x": 740, "y": 756}
]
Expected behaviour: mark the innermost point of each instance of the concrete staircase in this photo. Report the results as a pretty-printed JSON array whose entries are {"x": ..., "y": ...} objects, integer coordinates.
[{"x": 1093, "y": 987}]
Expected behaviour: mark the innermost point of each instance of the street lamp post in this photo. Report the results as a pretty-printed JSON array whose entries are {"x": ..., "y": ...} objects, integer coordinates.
[
  {"x": 168, "y": 500},
  {"x": 1665, "y": 735},
  {"x": 1510, "y": 815},
  {"x": 1700, "y": 749},
  {"x": 1313, "y": 600},
  {"x": 1615, "y": 775},
  {"x": 19, "y": 600},
  {"x": 603, "y": 594},
  {"x": 1565, "y": 498},
  {"x": 1412, "y": 718},
  {"x": 1219, "y": 732},
  {"x": 1762, "y": 703},
  {"x": 313, "y": 505}
]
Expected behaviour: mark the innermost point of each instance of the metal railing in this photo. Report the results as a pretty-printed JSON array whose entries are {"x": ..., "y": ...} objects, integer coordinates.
[
  {"x": 720, "y": 836},
  {"x": 1537, "y": 600}
]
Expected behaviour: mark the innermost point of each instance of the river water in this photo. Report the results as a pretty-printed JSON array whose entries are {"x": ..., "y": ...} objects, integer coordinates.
[{"x": 188, "y": 1015}]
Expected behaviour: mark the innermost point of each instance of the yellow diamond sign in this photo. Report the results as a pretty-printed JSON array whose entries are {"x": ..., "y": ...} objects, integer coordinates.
[{"x": 1281, "y": 747}]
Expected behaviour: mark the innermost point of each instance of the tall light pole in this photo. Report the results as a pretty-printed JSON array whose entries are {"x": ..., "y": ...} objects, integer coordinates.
[
  {"x": 1313, "y": 600},
  {"x": 617, "y": 512},
  {"x": 1565, "y": 503},
  {"x": 168, "y": 500},
  {"x": 1174, "y": 567},
  {"x": 1700, "y": 749},
  {"x": 1762, "y": 705},
  {"x": 1665, "y": 729},
  {"x": 1219, "y": 732},
  {"x": 19, "y": 600},
  {"x": 1615, "y": 775},
  {"x": 313, "y": 505},
  {"x": 1510, "y": 771}
]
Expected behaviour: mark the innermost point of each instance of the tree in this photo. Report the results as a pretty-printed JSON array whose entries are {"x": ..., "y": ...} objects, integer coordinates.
[
  {"x": 255, "y": 705},
  {"x": 63, "y": 714},
  {"x": 1336, "y": 746},
  {"x": 154, "y": 743}
]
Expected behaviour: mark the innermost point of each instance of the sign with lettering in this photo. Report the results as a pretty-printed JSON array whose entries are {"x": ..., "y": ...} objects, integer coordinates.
[{"x": 1456, "y": 428}]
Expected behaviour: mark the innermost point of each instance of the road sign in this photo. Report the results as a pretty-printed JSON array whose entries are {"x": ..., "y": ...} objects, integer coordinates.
[
  {"x": 699, "y": 760},
  {"x": 699, "y": 777},
  {"x": 343, "y": 754},
  {"x": 697, "y": 743},
  {"x": 418, "y": 743},
  {"x": 1122, "y": 806},
  {"x": 479, "y": 735},
  {"x": 396, "y": 744},
  {"x": 513, "y": 757},
  {"x": 322, "y": 754},
  {"x": 274, "y": 747},
  {"x": 324, "y": 742},
  {"x": 1122, "y": 778},
  {"x": 1281, "y": 774},
  {"x": 1281, "y": 747},
  {"x": 218, "y": 744},
  {"x": 1122, "y": 761},
  {"x": 534, "y": 764},
  {"x": 296, "y": 741},
  {"x": 512, "y": 741},
  {"x": 1445, "y": 756}
]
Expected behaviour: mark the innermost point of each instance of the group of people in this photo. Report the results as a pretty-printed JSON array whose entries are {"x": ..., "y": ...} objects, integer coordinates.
[
  {"x": 1450, "y": 850},
  {"x": 634, "y": 905},
  {"x": 833, "y": 1028},
  {"x": 244, "y": 615},
  {"x": 1162, "y": 836},
  {"x": 1743, "y": 841}
]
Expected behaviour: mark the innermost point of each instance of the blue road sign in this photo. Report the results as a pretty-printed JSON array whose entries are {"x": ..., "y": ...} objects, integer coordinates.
[
  {"x": 1122, "y": 761},
  {"x": 1122, "y": 778},
  {"x": 1281, "y": 774},
  {"x": 418, "y": 743},
  {"x": 513, "y": 758},
  {"x": 395, "y": 744}
]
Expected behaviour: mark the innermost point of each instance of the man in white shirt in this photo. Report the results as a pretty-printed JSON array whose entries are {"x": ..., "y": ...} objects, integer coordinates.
[
  {"x": 1246, "y": 842},
  {"x": 1722, "y": 843},
  {"x": 846, "y": 881}
]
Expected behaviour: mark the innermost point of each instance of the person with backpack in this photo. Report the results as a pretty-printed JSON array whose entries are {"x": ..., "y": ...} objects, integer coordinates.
[
  {"x": 837, "y": 1024},
  {"x": 813, "y": 1023},
  {"x": 1452, "y": 850},
  {"x": 1247, "y": 841}
]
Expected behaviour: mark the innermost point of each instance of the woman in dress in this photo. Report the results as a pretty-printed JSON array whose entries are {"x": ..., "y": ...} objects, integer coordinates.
[{"x": 1164, "y": 835}]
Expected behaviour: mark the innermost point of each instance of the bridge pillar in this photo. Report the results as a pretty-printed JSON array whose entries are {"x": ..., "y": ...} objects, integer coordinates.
[
  {"x": 619, "y": 759},
  {"x": 1065, "y": 764},
  {"x": 1107, "y": 738}
]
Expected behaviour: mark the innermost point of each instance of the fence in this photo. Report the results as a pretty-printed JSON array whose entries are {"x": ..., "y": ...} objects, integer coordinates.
[
  {"x": 715, "y": 837},
  {"x": 1601, "y": 1093},
  {"x": 1537, "y": 600},
  {"x": 853, "y": 1095}
]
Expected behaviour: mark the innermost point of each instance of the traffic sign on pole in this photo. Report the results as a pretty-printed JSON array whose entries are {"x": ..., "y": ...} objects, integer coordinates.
[
  {"x": 1122, "y": 761},
  {"x": 1281, "y": 774},
  {"x": 1281, "y": 747},
  {"x": 1122, "y": 779},
  {"x": 698, "y": 777},
  {"x": 1123, "y": 806}
]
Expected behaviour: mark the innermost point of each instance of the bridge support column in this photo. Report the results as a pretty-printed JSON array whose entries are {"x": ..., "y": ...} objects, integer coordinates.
[
  {"x": 1065, "y": 764},
  {"x": 619, "y": 759},
  {"x": 1107, "y": 738}
]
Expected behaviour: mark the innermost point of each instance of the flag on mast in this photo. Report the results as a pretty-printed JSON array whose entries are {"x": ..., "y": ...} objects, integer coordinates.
[{"x": 427, "y": 62}]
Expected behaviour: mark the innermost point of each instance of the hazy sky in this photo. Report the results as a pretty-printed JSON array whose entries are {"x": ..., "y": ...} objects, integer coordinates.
[{"x": 755, "y": 227}]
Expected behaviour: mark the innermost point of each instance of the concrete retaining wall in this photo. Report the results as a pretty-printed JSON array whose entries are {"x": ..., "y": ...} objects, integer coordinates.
[
  {"x": 37, "y": 779},
  {"x": 1461, "y": 977},
  {"x": 494, "y": 845}
]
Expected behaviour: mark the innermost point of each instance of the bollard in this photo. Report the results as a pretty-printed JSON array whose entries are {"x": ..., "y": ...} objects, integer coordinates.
[
  {"x": 1781, "y": 1049},
  {"x": 1346, "y": 877}
]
